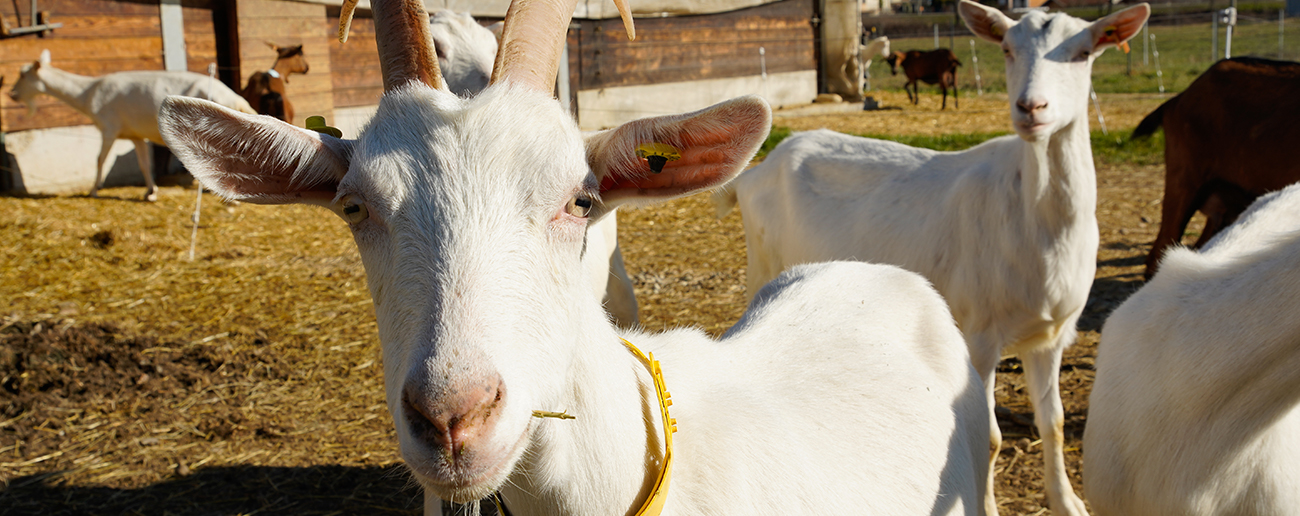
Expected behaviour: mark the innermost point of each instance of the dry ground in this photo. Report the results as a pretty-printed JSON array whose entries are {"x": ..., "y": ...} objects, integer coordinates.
[{"x": 136, "y": 381}]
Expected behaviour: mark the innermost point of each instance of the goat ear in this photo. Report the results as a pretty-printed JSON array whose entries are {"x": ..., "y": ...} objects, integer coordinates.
[
  {"x": 1118, "y": 27},
  {"x": 670, "y": 156},
  {"x": 253, "y": 158},
  {"x": 44, "y": 60},
  {"x": 985, "y": 22}
]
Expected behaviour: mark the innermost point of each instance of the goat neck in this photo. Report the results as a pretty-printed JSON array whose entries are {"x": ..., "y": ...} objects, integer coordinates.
[
  {"x": 73, "y": 89},
  {"x": 1049, "y": 61}
]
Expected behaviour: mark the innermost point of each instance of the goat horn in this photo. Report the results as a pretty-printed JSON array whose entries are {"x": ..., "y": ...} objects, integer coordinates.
[
  {"x": 532, "y": 35},
  {"x": 406, "y": 50}
]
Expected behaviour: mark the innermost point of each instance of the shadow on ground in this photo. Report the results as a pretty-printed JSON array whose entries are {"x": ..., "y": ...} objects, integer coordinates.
[{"x": 226, "y": 490}]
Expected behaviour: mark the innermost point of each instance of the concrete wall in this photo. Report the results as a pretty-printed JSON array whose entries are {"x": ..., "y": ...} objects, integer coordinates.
[
  {"x": 61, "y": 160},
  {"x": 350, "y": 120},
  {"x": 609, "y": 107}
]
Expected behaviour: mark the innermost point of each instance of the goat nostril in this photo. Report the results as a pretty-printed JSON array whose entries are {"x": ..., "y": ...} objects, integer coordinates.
[{"x": 447, "y": 423}]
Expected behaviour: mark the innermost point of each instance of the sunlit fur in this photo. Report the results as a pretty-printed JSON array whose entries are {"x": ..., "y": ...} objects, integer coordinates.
[
  {"x": 466, "y": 53},
  {"x": 1196, "y": 405},
  {"x": 844, "y": 389},
  {"x": 121, "y": 105},
  {"x": 1007, "y": 231}
]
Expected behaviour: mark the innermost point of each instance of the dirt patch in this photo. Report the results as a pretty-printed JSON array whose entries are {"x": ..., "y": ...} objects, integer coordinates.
[{"x": 263, "y": 389}]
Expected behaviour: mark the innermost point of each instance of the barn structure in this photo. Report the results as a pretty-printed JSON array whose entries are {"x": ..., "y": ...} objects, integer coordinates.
[{"x": 688, "y": 54}]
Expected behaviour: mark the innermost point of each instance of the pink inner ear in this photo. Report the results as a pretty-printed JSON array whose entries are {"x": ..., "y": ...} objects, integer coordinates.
[{"x": 709, "y": 153}]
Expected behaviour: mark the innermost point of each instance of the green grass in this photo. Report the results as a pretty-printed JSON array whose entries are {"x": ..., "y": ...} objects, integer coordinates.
[
  {"x": 1184, "y": 53},
  {"x": 1112, "y": 149}
]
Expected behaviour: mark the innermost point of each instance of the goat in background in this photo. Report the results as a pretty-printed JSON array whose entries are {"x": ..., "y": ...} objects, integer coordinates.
[
  {"x": 1228, "y": 140},
  {"x": 1006, "y": 231},
  {"x": 121, "y": 105},
  {"x": 471, "y": 214},
  {"x": 938, "y": 66},
  {"x": 265, "y": 90}
]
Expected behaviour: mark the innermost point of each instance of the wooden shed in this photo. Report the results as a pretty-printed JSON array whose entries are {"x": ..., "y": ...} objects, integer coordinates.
[{"x": 688, "y": 55}]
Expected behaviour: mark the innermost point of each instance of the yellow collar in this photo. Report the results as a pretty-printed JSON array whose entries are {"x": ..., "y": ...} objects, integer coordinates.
[{"x": 655, "y": 503}]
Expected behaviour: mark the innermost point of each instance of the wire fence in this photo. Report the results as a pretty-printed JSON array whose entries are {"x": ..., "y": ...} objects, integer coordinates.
[{"x": 1165, "y": 57}]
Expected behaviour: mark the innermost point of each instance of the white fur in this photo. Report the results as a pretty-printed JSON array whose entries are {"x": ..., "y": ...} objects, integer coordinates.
[
  {"x": 1007, "y": 231},
  {"x": 843, "y": 390},
  {"x": 1195, "y": 409},
  {"x": 876, "y": 47},
  {"x": 122, "y": 105},
  {"x": 466, "y": 51}
]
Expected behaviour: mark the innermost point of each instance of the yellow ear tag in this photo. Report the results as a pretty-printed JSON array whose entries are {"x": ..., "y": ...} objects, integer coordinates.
[
  {"x": 317, "y": 123},
  {"x": 1110, "y": 36},
  {"x": 657, "y": 155}
]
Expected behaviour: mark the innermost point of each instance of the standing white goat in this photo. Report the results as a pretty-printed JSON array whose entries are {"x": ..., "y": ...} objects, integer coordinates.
[
  {"x": 466, "y": 53},
  {"x": 876, "y": 47},
  {"x": 470, "y": 216},
  {"x": 1007, "y": 231},
  {"x": 1196, "y": 406},
  {"x": 122, "y": 105}
]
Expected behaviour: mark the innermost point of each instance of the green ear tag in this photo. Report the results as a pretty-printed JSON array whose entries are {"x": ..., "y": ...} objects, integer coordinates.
[
  {"x": 657, "y": 155},
  {"x": 317, "y": 123}
]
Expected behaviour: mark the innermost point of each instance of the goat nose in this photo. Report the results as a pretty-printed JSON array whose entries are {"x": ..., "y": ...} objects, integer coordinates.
[
  {"x": 1028, "y": 105},
  {"x": 450, "y": 421}
]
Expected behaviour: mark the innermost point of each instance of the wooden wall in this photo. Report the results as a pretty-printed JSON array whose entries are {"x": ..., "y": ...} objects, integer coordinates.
[
  {"x": 288, "y": 23},
  {"x": 691, "y": 48},
  {"x": 102, "y": 36},
  {"x": 356, "y": 77}
]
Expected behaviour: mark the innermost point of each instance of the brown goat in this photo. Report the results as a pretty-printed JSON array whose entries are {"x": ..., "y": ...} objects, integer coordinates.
[
  {"x": 938, "y": 66},
  {"x": 265, "y": 90},
  {"x": 1228, "y": 140}
]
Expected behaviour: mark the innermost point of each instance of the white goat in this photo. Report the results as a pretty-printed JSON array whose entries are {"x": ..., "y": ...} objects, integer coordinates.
[
  {"x": 876, "y": 47},
  {"x": 1007, "y": 231},
  {"x": 466, "y": 52},
  {"x": 122, "y": 105},
  {"x": 844, "y": 389},
  {"x": 1196, "y": 406}
]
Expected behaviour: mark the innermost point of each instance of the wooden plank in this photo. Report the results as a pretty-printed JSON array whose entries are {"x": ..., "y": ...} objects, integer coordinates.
[
  {"x": 16, "y": 119},
  {"x": 693, "y": 48},
  {"x": 64, "y": 50},
  {"x": 93, "y": 68},
  {"x": 269, "y": 9},
  {"x": 62, "y": 8},
  {"x": 353, "y": 97},
  {"x": 102, "y": 25},
  {"x": 257, "y": 29}
]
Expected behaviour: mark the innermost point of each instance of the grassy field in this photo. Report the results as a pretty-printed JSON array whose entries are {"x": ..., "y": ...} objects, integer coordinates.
[{"x": 1184, "y": 52}]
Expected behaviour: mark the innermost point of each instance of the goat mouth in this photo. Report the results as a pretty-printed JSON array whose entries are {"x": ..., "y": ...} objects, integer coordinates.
[{"x": 466, "y": 480}]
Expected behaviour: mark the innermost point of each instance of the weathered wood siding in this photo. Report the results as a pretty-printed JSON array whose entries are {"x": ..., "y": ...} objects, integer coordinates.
[
  {"x": 97, "y": 37},
  {"x": 356, "y": 77},
  {"x": 288, "y": 23},
  {"x": 692, "y": 48}
]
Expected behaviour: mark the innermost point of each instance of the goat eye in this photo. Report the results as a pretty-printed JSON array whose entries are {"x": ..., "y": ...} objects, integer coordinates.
[
  {"x": 353, "y": 210},
  {"x": 1082, "y": 55},
  {"x": 579, "y": 206}
]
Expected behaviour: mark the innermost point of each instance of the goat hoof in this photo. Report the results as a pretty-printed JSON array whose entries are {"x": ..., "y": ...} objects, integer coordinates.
[{"x": 151, "y": 197}]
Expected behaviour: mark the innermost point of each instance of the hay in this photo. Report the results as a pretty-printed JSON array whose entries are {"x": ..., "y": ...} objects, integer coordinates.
[{"x": 248, "y": 380}]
